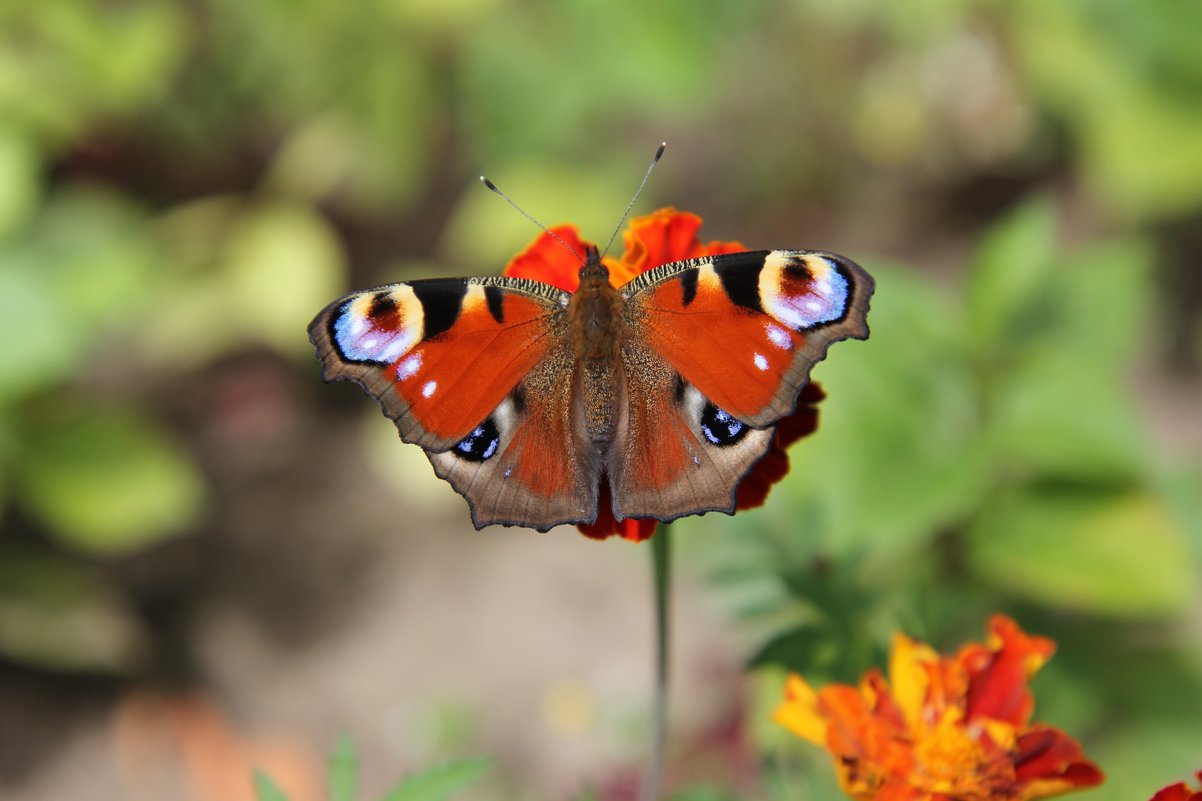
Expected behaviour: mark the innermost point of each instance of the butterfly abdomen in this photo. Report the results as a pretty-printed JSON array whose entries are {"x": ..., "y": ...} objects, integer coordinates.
[{"x": 595, "y": 312}]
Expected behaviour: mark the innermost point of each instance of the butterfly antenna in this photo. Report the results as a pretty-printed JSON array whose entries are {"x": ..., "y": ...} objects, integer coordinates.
[
  {"x": 658, "y": 155},
  {"x": 523, "y": 212}
]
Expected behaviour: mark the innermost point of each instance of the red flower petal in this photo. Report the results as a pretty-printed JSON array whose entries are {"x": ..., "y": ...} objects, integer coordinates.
[
  {"x": 548, "y": 261},
  {"x": 1175, "y": 792},
  {"x": 606, "y": 525},
  {"x": 1179, "y": 792},
  {"x": 998, "y": 674},
  {"x": 1050, "y": 754}
]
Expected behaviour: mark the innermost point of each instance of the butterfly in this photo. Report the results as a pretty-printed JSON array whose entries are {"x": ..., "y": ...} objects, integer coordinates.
[{"x": 527, "y": 398}]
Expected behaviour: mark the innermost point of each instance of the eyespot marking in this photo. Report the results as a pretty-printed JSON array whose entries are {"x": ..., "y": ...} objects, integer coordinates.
[
  {"x": 377, "y": 328},
  {"x": 804, "y": 290},
  {"x": 720, "y": 428},
  {"x": 480, "y": 445}
]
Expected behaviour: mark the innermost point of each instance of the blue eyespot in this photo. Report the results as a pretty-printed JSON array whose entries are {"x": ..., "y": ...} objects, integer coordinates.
[
  {"x": 481, "y": 444},
  {"x": 720, "y": 428}
]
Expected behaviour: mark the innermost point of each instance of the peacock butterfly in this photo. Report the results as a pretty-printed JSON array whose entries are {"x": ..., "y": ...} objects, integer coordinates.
[{"x": 527, "y": 398}]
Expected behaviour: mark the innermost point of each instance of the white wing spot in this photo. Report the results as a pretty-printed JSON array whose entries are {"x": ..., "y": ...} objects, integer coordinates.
[
  {"x": 408, "y": 367},
  {"x": 779, "y": 336},
  {"x": 761, "y": 362},
  {"x": 813, "y": 306},
  {"x": 429, "y": 388}
]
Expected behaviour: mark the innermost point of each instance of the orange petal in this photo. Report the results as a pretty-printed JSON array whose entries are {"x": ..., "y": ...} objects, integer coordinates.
[
  {"x": 849, "y": 730},
  {"x": 663, "y": 236},
  {"x": 548, "y": 261}
]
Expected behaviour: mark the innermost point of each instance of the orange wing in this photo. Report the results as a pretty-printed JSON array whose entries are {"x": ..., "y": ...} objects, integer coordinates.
[
  {"x": 477, "y": 371},
  {"x": 715, "y": 352},
  {"x": 440, "y": 354},
  {"x": 745, "y": 328}
]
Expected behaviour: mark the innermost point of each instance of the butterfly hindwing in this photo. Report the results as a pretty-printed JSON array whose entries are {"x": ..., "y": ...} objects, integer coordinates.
[
  {"x": 676, "y": 453},
  {"x": 523, "y": 465}
]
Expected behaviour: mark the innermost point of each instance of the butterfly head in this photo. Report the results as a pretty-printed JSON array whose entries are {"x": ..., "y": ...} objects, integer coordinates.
[{"x": 593, "y": 269}]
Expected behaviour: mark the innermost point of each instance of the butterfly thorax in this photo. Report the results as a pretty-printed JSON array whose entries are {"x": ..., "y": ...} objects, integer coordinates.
[{"x": 595, "y": 312}]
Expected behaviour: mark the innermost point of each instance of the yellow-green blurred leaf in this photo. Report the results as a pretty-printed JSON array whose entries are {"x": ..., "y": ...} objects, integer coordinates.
[
  {"x": 1123, "y": 554},
  {"x": 106, "y": 483},
  {"x": 283, "y": 265},
  {"x": 247, "y": 274},
  {"x": 41, "y": 346},
  {"x": 19, "y": 188}
]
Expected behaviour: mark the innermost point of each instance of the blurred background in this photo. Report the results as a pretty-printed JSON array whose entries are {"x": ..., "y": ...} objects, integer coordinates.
[{"x": 209, "y": 560}]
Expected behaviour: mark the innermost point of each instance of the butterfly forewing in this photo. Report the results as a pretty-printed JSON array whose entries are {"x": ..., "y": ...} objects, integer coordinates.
[
  {"x": 745, "y": 328},
  {"x": 440, "y": 355}
]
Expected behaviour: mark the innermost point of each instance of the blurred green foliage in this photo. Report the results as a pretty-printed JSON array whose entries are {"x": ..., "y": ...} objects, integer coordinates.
[
  {"x": 185, "y": 183},
  {"x": 432, "y": 784}
]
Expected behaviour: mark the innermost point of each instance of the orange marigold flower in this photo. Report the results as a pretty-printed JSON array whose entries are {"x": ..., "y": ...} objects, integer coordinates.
[
  {"x": 664, "y": 236},
  {"x": 943, "y": 728},
  {"x": 1180, "y": 791}
]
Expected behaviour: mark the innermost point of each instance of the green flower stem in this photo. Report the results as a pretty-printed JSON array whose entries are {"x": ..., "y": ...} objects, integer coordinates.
[{"x": 661, "y": 574}]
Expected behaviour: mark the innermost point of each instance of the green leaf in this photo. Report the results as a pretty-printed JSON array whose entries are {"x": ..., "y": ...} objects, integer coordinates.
[
  {"x": 20, "y": 165},
  {"x": 1105, "y": 295},
  {"x": 1118, "y": 79},
  {"x": 1115, "y": 554},
  {"x": 42, "y": 348},
  {"x": 263, "y": 271},
  {"x": 344, "y": 770},
  {"x": 1008, "y": 277},
  {"x": 439, "y": 782},
  {"x": 283, "y": 263},
  {"x": 1071, "y": 419},
  {"x": 106, "y": 482},
  {"x": 907, "y": 390},
  {"x": 266, "y": 789}
]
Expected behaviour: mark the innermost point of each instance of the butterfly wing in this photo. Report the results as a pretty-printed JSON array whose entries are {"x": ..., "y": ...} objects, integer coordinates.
[
  {"x": 473, "y": 370},
  {"x": 716, "y": 351}
]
